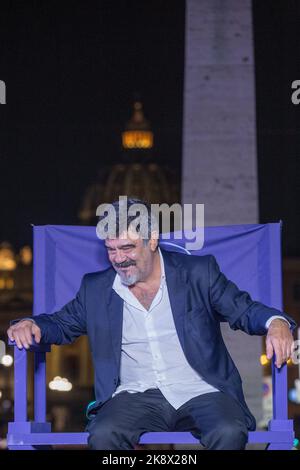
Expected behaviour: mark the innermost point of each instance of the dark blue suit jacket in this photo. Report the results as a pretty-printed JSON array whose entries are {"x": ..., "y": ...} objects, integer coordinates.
[{"x": 200, "y": 296}]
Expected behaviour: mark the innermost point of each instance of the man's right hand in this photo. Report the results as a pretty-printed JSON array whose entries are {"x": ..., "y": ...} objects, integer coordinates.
[{"x": 22, "y": 333}]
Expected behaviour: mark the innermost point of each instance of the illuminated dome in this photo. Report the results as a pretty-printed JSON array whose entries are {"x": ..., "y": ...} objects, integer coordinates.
[
  {"x": 149, "y": 182},
  {"x": 138, "y": 134},
  {"x": 138, "y": 175}
]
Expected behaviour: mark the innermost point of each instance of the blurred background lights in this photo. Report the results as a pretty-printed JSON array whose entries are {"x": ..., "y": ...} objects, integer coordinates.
[
  {"x": 7, "y": 257},
  {"x": 60, "y": 384},
  {"x": 26, "y": 255},
  {"x": 7, "y": 360},
  {"x": 264, "y": 360},
  {"x": 294, "y": 393}
]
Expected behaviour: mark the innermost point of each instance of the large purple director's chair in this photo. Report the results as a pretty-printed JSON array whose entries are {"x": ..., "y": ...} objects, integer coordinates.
[{"x": 250, "y": 255}]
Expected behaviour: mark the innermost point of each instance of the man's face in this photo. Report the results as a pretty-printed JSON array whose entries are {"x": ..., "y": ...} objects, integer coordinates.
[{"x": 131, "y": 258}]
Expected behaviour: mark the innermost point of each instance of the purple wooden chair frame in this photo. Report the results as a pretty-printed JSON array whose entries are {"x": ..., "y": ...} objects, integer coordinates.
[{"x": 31, "y": 435}]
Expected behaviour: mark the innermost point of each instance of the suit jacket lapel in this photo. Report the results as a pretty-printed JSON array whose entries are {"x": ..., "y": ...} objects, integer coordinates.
[
  {"x": 115, "y": 316},
  {"x": 176, "y": 278}
]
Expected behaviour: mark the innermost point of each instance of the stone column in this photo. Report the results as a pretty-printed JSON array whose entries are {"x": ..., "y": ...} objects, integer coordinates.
[{"x": 219, "y": 145}]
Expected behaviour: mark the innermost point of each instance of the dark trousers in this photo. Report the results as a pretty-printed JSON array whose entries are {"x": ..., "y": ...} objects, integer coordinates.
[{"x": 216, "y": 419}]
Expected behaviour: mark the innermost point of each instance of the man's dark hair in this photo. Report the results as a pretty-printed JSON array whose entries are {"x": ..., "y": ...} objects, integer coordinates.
[{"x": 130, "y": 202}]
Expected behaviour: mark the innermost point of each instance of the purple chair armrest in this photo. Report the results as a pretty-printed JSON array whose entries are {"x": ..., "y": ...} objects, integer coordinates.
[
  {"x": 35, "y": 347},
  {"x": 20, "y": 393}
]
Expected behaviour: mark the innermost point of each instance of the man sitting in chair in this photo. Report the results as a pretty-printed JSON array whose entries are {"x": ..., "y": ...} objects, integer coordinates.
[{"x": 153, "y": 323}]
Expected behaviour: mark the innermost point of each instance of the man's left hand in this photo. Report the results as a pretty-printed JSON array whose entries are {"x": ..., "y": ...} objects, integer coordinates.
[{"x": 279, "y": 341}]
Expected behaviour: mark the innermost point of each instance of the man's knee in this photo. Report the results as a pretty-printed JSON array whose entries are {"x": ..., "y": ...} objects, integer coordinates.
[
  {"x": 227, "y": 435},
  {"x": 107, "y": 436}
]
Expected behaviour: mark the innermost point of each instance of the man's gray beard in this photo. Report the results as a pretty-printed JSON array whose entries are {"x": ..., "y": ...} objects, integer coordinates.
[{"x": 129, "y": 280}]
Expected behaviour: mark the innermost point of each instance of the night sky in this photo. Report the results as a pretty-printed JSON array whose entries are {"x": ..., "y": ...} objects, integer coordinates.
[
  {"x": 72, "y": 75},
  {"x": 72, "y": 70},
  {"x": 277, "y": 63}
]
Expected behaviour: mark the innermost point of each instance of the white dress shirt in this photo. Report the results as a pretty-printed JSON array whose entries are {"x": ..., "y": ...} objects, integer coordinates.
[{"x": 151, "y": 355}]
